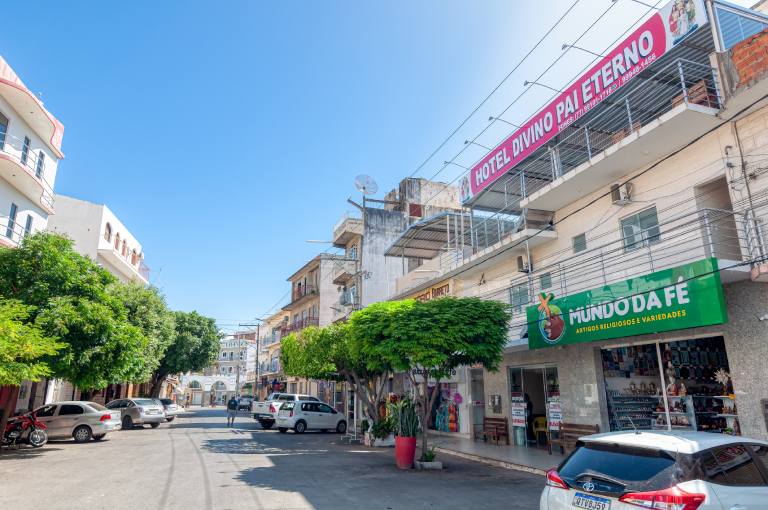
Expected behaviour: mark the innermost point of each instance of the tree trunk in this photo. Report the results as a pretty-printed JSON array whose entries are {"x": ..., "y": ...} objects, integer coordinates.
[
  {"x": 157, "y": 384},
  {"x": 85, "y": 395}
]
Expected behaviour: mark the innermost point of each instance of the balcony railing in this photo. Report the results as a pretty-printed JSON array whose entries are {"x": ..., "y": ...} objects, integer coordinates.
[
  {"x": 300, "y": 292},
  {"x": 679, "y": 82},
  {"x": 735, "y": 238},
  {"x": 30, "y": 160},
  {"x": 11, "y": 231},
  {"x": 300, "y": 324}
]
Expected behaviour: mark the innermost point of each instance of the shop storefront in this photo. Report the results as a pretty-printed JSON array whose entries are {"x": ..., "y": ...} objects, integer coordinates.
[{"x": 534, "y": 404}]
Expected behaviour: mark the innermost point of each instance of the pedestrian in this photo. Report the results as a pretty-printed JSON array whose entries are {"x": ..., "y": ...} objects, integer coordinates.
[{"x": 231, "y": 411}]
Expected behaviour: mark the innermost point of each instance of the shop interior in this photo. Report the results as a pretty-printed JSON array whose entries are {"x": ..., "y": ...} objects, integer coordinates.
[
  {"x": 680, "y": 385},
  {"x": 534, "y": 405}
]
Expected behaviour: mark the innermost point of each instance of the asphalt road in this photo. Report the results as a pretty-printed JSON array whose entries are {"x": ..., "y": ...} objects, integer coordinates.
[{"x": 198, "y": 463}]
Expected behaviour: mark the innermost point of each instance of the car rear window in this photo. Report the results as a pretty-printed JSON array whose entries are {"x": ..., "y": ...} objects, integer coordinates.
[
  {"x": 166, "y": 401},
  {"x": 97, "y": 407},
  {"x": 617, "y": 469},
  {"x": 145, "y": 402}
]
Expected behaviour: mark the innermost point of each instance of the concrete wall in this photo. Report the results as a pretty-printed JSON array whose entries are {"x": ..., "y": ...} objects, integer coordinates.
[{"x": 379, "y": 273}]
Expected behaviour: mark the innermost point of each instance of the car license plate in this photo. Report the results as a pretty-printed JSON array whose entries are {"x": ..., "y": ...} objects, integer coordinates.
[{"x": 581, "y": 500}]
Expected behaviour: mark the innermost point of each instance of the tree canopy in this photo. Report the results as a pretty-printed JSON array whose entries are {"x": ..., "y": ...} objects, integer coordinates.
[{"x": 23, "y": 345}]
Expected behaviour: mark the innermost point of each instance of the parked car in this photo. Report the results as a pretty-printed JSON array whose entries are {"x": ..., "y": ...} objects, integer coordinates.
[
  {"x": 138, "y": 411},
  {"x": 244, "y": 403},
  {"x": 171, "y": 408},
  {"x": 266, "y": 412},
  {"x": 660, "y": 470},
  {"x": 79, "y": 420},
  {"x": 303, "y": 416}
]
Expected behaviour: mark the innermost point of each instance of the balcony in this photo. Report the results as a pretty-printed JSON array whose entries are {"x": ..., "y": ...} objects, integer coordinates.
[
  {"x": 346, "y": 229},
  {"x": 11, "y": 232},
  {"x": 344, "y": 270},
  {"x": 123, "y": 264},
  {"x": 736, "y": 239},
  {"x": 627, "y": 131},
  {"x": 300, "y": 324},
  {"x": 25, "y": 171},
  {"x": 300, "y": 295}
]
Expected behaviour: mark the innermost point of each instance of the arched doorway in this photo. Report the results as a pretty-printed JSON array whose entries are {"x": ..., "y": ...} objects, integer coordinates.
[
  {"x": 195, "y": 393},
  {"x": 219, "y": 389}
]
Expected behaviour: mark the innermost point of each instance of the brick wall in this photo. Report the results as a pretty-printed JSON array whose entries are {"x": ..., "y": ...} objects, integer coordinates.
[{"x": 750, "y": 57}]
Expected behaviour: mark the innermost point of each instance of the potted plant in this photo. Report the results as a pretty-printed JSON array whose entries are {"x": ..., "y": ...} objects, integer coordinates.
[
  {"x": 427, "y": 460},
  {"x": 406, "y": 423}
]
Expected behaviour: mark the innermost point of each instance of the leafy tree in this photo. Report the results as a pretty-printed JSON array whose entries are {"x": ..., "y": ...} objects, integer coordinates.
[
  {"x": 194, "y": 347},
  {"x": 428, "y": 340},
  {"x": 71, "y": 301},
  {"x": 23, "y": 345},
  {"x": 147, "y": 310}
]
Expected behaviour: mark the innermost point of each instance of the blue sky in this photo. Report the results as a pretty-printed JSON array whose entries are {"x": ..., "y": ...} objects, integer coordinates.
[{"x": 226, "y": 134}]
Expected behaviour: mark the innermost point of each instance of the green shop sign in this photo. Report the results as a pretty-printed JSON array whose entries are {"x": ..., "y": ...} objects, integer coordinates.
[{"x": 682, "y": 297}]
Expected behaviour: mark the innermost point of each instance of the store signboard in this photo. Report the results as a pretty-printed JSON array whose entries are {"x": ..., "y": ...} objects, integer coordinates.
[
  {"x": 682, "y": 297},
  {"x": 666, "y": 28},
  {"x": 517, "y": 410},
  {"x": 442, "y": 289},
  {"x": 554, "y": 413}
]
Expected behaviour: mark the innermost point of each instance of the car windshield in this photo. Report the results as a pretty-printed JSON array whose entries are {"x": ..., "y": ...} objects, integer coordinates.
[
  {"x": 166, "y": 401},
  {"x": 97, "y": 407},
  {"x": 145, "y": 402},
  {"x": 617, "y": 469}
]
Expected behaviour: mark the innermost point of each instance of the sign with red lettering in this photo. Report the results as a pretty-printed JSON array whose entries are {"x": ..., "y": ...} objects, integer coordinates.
[{"x": 657, "y": 35}]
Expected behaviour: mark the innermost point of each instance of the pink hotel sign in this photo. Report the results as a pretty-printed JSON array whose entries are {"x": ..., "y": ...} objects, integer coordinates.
[{"x": 645, "y": 45}]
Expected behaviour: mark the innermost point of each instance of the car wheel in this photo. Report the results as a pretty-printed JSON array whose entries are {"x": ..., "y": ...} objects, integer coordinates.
[
  {"x": 300, "y": 427},
  {"x": 266, "y": 424},
  {"x": 127, "y": 423},
  {"x": 154, "y": 425},
  {"x": 170, "y": 419},
  {"x": 82, "y": 434},
  {"x": 282, "y": 430},
  {"x": 341, "y": 428},
  {"x": 99, "y": 437}
]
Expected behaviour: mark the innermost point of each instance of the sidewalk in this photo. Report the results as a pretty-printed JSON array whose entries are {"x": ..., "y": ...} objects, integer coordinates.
[{"x": 529, "y": 459}]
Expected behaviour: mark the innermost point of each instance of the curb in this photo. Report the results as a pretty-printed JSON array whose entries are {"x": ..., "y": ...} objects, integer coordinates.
[{"x": 492, "y": 462}]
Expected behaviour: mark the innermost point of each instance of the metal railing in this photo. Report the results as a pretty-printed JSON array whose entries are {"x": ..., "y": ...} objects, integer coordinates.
[
  {"x": 300, "y": 292},
  {"x": 680, "y": 82},
  {"x": 29, "y": 160},
  {"x": 11, "y": 230},
  {"x": 300, "y": 324}
]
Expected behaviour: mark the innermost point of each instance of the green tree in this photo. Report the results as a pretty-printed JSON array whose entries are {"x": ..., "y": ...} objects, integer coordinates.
[
  {"x": 146, "y": 309},
  {"x": 71, "y": 302},
  {"x": 428, "y": 340},
  {"x": 23, "y": 345},
  {"x": 195, "y": 346}
]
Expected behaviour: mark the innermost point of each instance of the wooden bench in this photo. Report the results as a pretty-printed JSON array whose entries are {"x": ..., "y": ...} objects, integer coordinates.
[
  {"x": 570, "y": 434},
  {"x": 496, "y": 428}
]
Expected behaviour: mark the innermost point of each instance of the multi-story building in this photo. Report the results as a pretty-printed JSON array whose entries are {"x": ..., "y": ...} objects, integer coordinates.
[
  {"x": 271, "y": 377},
  {"x": 30, "y": 150},
  {"x": 625, "y": 226},
  {"x": 237, "y": 357},
  {"x": 99, "y": 234}
]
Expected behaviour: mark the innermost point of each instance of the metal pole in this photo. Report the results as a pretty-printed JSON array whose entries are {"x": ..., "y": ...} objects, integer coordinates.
[
  {"x": 629, "y": 114},
  {"x": 586, "y": 137},
  {"x": 682, "y": 81}
]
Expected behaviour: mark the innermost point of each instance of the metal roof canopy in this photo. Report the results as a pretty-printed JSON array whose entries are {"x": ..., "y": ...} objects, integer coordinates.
[
  {"x": 428, "y": 238},
  {"x": 696, "y": 48}
]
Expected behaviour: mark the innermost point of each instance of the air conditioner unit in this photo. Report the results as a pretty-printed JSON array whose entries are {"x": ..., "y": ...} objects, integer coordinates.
[
  {"x": 522, "y": 266},
  {"x": 621, "y": 194}
]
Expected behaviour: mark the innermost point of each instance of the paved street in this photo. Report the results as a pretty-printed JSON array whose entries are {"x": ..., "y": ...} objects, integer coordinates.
[{"x": 197, "y": 462}]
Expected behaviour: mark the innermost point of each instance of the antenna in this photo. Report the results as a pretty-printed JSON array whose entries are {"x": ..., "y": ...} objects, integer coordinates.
[{"x": 366, "y": 185}]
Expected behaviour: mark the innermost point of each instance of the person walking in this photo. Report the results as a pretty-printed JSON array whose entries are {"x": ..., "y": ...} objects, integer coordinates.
[{"x": 231, "y": 411}]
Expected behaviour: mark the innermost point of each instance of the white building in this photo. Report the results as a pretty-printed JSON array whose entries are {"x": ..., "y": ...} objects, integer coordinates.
[
  {"x": 30, "y": 150},
  {"x": 100, "y": 235}
]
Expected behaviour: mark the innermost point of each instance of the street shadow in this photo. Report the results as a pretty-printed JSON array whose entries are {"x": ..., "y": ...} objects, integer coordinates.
[{"x": 26, "y": 452}]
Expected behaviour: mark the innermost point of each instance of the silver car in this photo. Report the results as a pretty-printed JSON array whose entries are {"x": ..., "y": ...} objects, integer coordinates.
[
  {"x": 138, "y": 411},
  {"x": 172, "y": 409},
  {"x": 82, "y": 421}
]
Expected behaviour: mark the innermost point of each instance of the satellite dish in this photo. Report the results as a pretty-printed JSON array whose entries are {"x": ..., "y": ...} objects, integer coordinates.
[{"x": 366, "y": 185}]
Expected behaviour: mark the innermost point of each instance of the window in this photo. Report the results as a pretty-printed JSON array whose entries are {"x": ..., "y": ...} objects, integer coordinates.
[
  {"x": 230, "y": 370},
  {"x": 108, "y": 233},
  {"x": 579, "y": 243},
  {"x": 40, "y": 166},
  {"x": 69, "y": 409},
  {"x": 28, "y": 225},
  {"x": 125, "y": 248},
  {"x": 46, "y": 410},
  {"x": 545, "y": 281},
  {"x": 25, "y": 150},
  {"x": 3, "y": 130},
  {"x": 310, "y": 407},
  {"x": 11, "y": 222},
  {"x": 117, "y": 241},
  {"x": 732, "y": 465},
  {"x": 735, "y": 27},
  {"x": 323, "y": 408},
  {"x": 518, "y": 297},
  {"x": 761, "y": 453},
  {"x": 641, "y": 229},
  {"x": 353, "y": 252}
]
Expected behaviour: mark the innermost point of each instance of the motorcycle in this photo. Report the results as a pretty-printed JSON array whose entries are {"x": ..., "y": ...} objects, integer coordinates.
[{"x": 25, "y": 428}]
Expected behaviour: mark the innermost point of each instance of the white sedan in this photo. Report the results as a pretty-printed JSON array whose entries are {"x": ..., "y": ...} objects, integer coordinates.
[
  {"x": 303, "y": 416},
  {"x": 78, "y": 419},
  {"x": 661, "y": 470}
]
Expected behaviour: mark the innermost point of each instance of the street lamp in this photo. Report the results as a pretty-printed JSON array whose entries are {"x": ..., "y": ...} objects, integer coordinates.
[
  {"x": 526, "y": 83},
  {"x": 492, "y": 118},
  {"x": 566, "y": 46},
  {"x": 467, "y": 142}
]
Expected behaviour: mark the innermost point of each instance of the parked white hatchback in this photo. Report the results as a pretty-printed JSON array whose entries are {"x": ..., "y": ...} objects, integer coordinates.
[
  {"x": 303, "y": 416},
  {"x": 79, "y": 420},
  {"x": 661, "y": 470}
]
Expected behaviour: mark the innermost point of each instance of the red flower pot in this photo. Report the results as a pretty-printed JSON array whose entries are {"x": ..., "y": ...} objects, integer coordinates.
[{"x": 405, "y": 451}]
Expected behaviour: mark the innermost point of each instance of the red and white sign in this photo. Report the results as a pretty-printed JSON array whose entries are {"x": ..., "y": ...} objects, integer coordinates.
[{"x": 644, "y": 46}]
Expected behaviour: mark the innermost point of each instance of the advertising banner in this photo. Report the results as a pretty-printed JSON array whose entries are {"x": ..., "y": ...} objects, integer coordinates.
[
  {"x": 554, "y": 414},
  {"x": 517, "y": 410},
  {"x": 686, "y": 296},
  {"x": 657, "y": 35}
]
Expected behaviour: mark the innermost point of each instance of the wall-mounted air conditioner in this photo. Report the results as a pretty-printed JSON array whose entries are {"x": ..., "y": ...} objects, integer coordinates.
[{"x": 621, "y": 194}]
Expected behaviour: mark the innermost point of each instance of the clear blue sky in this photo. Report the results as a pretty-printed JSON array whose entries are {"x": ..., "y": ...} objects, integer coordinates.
[{"x": 225, "y": 134}]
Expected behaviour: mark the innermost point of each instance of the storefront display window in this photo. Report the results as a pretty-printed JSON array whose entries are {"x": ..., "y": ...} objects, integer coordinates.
[
  {"x": 445, "y": 413},
  {"x": 678, "y": 385}
]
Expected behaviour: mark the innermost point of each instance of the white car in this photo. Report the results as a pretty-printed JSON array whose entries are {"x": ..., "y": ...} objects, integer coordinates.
[
  {"x": 79, "y": 420},
  {"x": 303, "y": 416},
  {"x": 660, "y": 470},
  {"x": 266, "y": 412}
]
